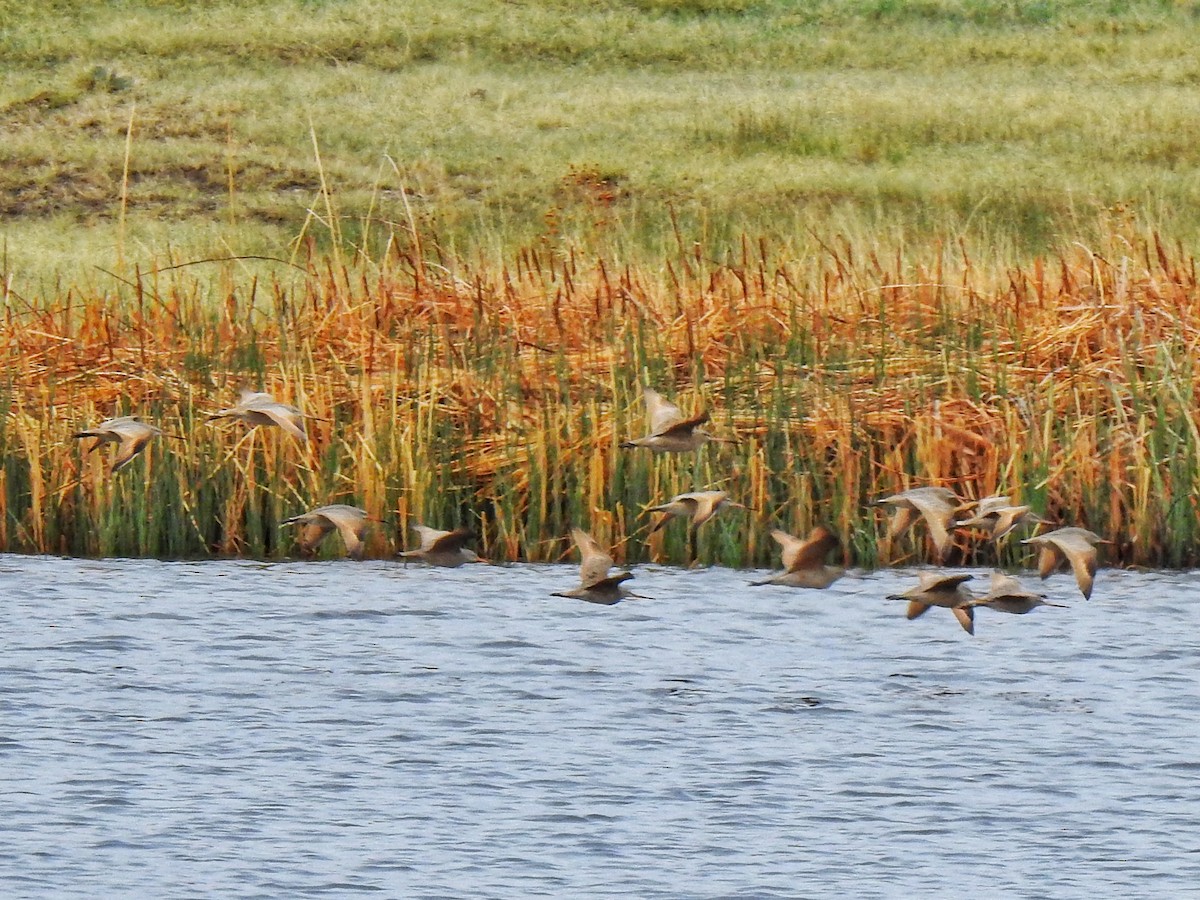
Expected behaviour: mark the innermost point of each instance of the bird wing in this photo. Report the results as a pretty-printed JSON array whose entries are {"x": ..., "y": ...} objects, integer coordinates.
[
  {"x": 661, "y": 413},
  {"x": 706, "y": 505},
  {"x": 1006, "y": 519},
  {"x": 451, "y": 541},
  {"x": 131, "y": 445},
  {"x": 1083, "y": 559},
  {"x": 312, "y": 531},
  {"x": 429, "y": 536},
  {"x": 1049, "y": 558},
  {"x": 938, "y": 513},
  {"x": 966, "y": 617},
  {"x": 683, "y": 427},
  {"x": 938, "y": 581},
  {"x": 351, "y": 523},
  {"x": 595, "y": 561},
  {"x": 288, "y": 418},
  {"x": 791, "y": 546},
  {"x": 901, "y": 520},
  {"x": 916, "y": 609},
  {"x": 809, "y": 553}
]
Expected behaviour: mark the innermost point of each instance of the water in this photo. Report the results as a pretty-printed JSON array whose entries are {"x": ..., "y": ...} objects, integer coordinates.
[{"x": 339, "y": 729}]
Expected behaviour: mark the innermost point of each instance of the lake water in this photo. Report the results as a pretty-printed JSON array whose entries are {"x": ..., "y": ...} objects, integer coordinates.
[{"x": 337, "y": 729}]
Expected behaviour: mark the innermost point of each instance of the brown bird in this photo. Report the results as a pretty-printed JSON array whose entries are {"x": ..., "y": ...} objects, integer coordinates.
[
  {"x": 257, "y": 408},
  {"x": 129, "y": 433},
  {"x": 998, "y": 516},
  {"x": 595, "y": 584},
  {"x": 804, "y": 560},
  {"x": 315, "y": 526},
  {"x": 1074, "y": 546},
  {"x": 670, "y": 430},
  {"x": 939, "y": 589},
  {"x": 1008, "y": 595},
  {"x": 446, "y": 549},
  {"x": 697, "y": 506},
  {"x": 938, "y": 506}
]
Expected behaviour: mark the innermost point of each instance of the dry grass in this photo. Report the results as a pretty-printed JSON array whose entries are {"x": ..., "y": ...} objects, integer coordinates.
[{"x": 496, "y": 397}]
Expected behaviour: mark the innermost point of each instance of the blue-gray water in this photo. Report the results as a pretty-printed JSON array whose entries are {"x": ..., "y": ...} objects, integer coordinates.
[{"x": 335, "y": 729}]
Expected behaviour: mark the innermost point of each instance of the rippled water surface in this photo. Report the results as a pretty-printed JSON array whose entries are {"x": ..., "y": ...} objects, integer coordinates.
[{"x": 302, "y": 729}]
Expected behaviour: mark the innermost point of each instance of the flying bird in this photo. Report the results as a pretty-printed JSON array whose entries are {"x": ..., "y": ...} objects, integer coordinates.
[
  {"x": 256, "y": 408},
  {"x": 595, "y": 584},
  {"x": 1008, "y": 595},
  {"x": 349, "y": 521},
  {"x": 446, "y": 549},
  {"x": 697, "y": 506},
  {"x": 804, "y": 560},
  {"x": 1073, "y": 546},
  {"x": 940, "y": 589},
  {"x": 998, "y": 516},
  {"x": 129, "y": 433},
  {"x": 938, "y": 506},
  {"x": 670, "y": 430}
]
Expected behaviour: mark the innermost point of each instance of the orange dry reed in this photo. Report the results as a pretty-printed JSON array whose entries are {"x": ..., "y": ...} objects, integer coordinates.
[{"x": 496, "y": 397}]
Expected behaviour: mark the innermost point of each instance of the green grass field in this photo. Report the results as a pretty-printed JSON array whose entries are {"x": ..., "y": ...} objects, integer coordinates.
[{"x": 142, "y": 132}]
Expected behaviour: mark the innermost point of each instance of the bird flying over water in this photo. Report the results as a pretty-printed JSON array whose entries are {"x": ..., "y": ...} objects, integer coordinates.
[
  {"x": 129, "y": 433},
  {"x": 1073, "y": 546},
  {"x": 697, "y": 506},
  {"x": 1008, "y": 595},
  {"x": 804, "y": 560},
  {"x": 595, "y": 584},
  {"x": 938, "y": 506},
  {"x": 257, "y": 408},
  {"x": 998, "y": 516},
  {"x": 940, "y": 589},
  {"x": 446, "y": 549},
  {"x": 349, "y": 521},
  {"x": 670, "y": 430}
]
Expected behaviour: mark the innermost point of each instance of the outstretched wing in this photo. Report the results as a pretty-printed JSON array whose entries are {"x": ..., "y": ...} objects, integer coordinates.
[
  {"x": 683, "y": 427},
  {"x": 661, "y": 413},
  {"x": 289, "y": 419},
  {"x": 595, "y": 561},
  {"x": 451, "y": 541}
]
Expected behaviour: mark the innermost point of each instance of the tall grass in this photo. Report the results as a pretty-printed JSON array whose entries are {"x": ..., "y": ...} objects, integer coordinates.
[{"x": 495, "y": 396}]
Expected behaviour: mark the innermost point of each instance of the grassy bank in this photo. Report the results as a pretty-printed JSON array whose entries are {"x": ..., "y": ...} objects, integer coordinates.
[
  {"x": 496, "y": 397},
  {"x": 135, "y": 128}
]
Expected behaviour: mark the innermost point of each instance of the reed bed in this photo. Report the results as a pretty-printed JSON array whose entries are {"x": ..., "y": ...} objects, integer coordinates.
[{"x": 496, "y": 396}]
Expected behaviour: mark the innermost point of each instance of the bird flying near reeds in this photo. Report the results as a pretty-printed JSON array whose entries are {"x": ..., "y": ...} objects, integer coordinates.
[
  {"x": 1006, "y": 594},
  {"x": 804, "y": 560},
  {"x": 129, "y": 433},
  {"x": 257, "y": 408},
  {"x": 349, "y": 521},
  {"x": 595, "y": 584},
  {"x": 941, "y": 589},
  {"x": 697, "y": 507},
  {"x": 938, "y": 506},
  {"x": 446, "y": 549},
  {"x": 998, "y": 516},
  {"x": 670, "y": 430},
  {"x": 1069, "y": 546}
]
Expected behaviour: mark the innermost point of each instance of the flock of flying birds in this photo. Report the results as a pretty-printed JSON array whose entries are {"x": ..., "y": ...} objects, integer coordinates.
[{"x": 670, "y": 431}]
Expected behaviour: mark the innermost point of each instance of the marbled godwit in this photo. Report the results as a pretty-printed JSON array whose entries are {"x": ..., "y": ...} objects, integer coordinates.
[
  {"x": 998, "y": 516},
  {"x": 129, "y": 433},
  {"x": 670, "y": 430},
  {"x": 1006, "y": 594},
  {"x": 315, "y": 526},
  {"x": 697, "y": 506},
  {"x": 595, "y": 584},
  {"x": 257, "y": 408},
  {"x": 939, "y": 589},
  {"x": 937, "y": 505},
  {"x": 1076, "y": 546},
  {"x": 446, "y": 549},
  {"x": 804, "y": 560}
]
